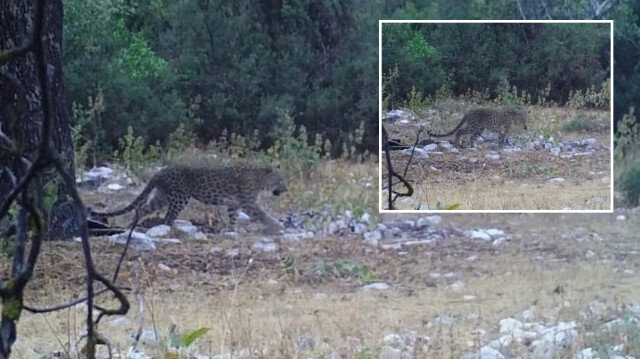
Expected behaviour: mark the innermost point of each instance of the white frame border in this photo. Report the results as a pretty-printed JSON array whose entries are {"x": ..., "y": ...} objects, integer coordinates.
[{"x": 380, "y": 199}]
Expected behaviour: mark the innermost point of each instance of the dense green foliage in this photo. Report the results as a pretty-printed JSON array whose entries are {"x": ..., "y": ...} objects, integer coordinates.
[
  {"x": 545, "y": 60},
  {"x": 244, "y": 65}
]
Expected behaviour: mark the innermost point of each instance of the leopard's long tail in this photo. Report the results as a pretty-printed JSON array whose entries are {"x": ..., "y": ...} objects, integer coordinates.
[
  {"x": 135, "y": 204},
  {"x": 462, "y": 122}
]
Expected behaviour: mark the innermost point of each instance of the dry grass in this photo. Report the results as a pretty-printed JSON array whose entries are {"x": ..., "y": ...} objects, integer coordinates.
[
  {"x": 259, "y": 306},
  {"x": 517, "y": 180}
]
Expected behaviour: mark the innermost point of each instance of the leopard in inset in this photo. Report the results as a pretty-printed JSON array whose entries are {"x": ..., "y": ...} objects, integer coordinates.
[
  {"x": 234, "y": 186},
  {"x": 475, "y": 121}
]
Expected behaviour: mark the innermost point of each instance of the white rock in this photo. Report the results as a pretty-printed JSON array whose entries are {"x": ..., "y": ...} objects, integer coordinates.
[
  {"x": 479, "y": 234},
  {"x": 295, "y": 237},
  {"x": 417, "y": 152},
  {"x": 557, "y": 180},
  {"x": 164, "y": 267},
  {"x": 508, "y": 325},
  {"x": 304, "y": 342},
  {"x": 365, "y": 217},
  {"x": 265, "y": 244},
  {"x": 457, "y": 286},
  {"x": 161, "y": 230},
  {"x": 597, "y": 308},
  {"x": 492, "y": 156},
  {"x": 446, "y": 145},
  {"x": 139, "y": 241},
  {"x": 494, "y": 233},
  {"x": 185, "y": 227},
  {"x": 372, "y": 238},
  {"x": 428, "y": 221},
  {"x": 243, "y": 216},
  {"x": 621, "y": 217},
  {"x": 388, "y": 352},
  {"x": 430, "y": 147},
  {"x": 115, "y": 186},
  {"x": 587, "y": 353},
  {"x": 487, "y": 352},
  {"x": 554, "y": 150},
  {"x": 376, "y": 286}
]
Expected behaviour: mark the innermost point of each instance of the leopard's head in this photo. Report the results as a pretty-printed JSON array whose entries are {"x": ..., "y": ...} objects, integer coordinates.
[{"x": 274, "y": 183}]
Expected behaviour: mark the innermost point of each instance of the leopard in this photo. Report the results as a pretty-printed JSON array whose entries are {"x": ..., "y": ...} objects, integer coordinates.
[
  {"x": 234, "y": 186},
  {"x": 476, "y": 120}
]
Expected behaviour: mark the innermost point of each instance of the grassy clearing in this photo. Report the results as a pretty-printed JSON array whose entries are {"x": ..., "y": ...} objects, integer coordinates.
[
  {"x": 519, "y": 180},
  {"x": 261, "y": 307}
]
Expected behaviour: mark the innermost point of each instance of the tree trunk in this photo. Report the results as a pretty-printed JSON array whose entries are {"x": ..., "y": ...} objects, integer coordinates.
[{"x": 21, "y": 110}]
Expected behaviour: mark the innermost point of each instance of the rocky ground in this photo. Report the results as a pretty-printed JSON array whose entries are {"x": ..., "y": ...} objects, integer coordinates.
[
  {"x": 351, "y": 284},
  {"x": 546, "y": 167}
]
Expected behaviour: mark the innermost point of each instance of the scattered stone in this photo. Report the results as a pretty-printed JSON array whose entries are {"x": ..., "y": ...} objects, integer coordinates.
[
  {"x": 486, "y": 352},
  {"x": 417, "y": 152},
  {"x": 175, "y": 287},
  {"x": 445, "y": 320},
  {"x": 265, "y": 244},
  {"x": 115, "y": 186},
  {"x": 597, "y": 309},
  {"x": 185, "y": 227},
  {"x": 337, "y": 227},
  {"x": 304, "y": 342},
  {"x": 376, "y": 286},
  {"x": 430, "y": 147},
  {"x": 479, "y": 234},
  {"x": 94, "y": 177},
  {"x": 243, "y": 216},
  {"x": 373, "y": 237},
  {"x": 402, "y": 345},
  {"x": 388, "y": 352},
  {"x": 555, "y": 151},
  {"x": 557, "y": 180},
  {"x": 508, "y": 325},
  {"x": 159, "y": 231},
  {"x": 446, "y": 145},
  {"x": 139, "y": 241},
  {"x": 428, "y": 221},
  {"x": 587, "y": 353},
  {"x": 164, "y": 267},
  {"x": 492, "y": 156},
  {"x": 621, "y": 217},
  {"x": 295, "y": 237}
]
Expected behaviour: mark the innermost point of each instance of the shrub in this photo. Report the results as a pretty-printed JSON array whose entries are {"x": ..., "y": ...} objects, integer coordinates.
[{"x": 576, "y": 124}]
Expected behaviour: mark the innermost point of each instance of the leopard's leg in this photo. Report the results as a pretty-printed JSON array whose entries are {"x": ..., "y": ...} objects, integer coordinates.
[
  {"x": 501, "y": 139},
  {"x": 272, "y": 226},
  {"x": 176, "y": 205},
  {"x": 155, "y": 202},
  {"x": 232, "y": 211}
]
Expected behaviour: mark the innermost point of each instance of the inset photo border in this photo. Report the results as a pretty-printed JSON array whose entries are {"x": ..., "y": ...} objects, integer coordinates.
[{"x": 496, "y": 116}]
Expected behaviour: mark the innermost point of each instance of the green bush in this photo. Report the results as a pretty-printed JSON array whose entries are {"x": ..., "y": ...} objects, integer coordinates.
[{"x": 576, "y": 124}]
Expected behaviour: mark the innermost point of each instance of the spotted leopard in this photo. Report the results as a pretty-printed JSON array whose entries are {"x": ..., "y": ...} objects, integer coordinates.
[
  {"x": 475, "y": 121},
  {"x": 235, "y": 186}
]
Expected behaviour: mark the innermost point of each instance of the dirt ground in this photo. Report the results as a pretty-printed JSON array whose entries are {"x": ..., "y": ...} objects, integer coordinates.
[
  {"x": 525, "y": 179},
  {"x": 263, "y": 302}
]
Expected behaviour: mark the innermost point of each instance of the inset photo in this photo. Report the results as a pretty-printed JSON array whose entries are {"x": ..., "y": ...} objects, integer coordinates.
[{"x": 496, "y": 116}]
